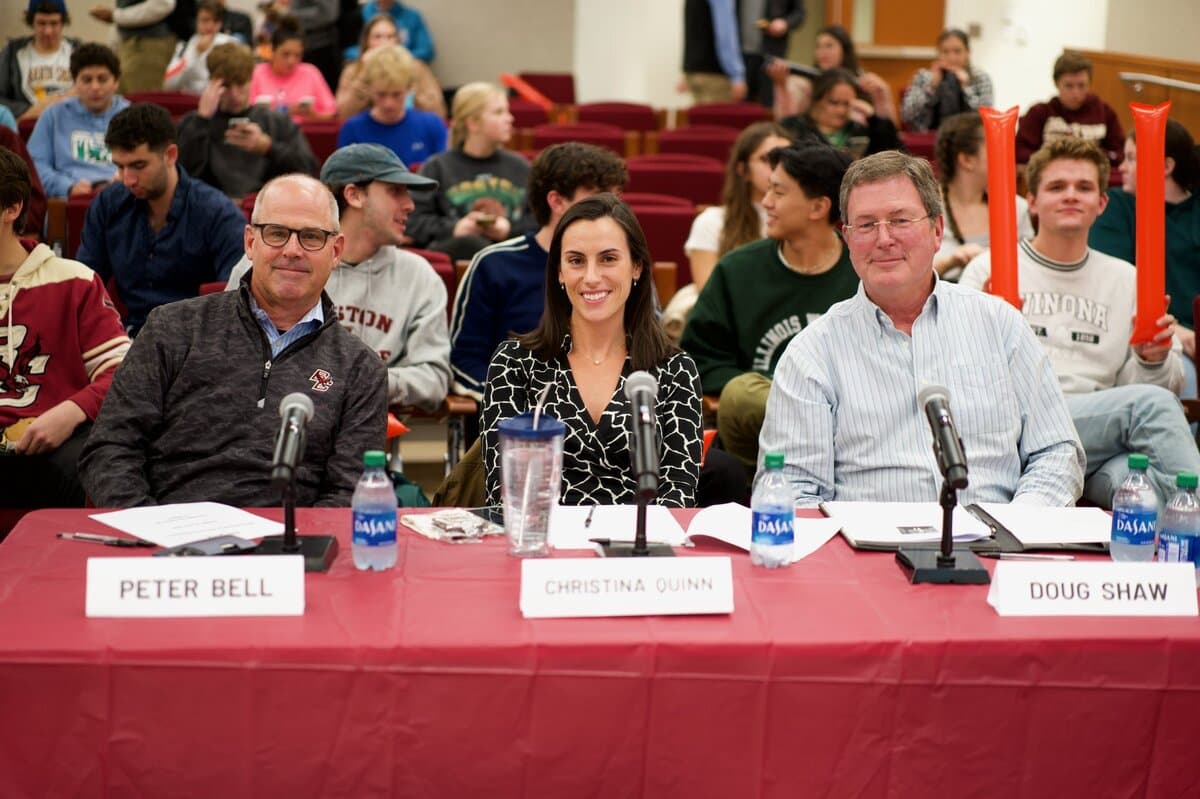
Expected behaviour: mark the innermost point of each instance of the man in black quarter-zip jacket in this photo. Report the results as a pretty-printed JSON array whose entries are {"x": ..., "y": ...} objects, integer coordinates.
[{"x": 193, "y": 411}]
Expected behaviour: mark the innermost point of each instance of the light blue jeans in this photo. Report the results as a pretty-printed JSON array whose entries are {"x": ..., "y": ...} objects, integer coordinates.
[{"x": 1140, "y": 418}]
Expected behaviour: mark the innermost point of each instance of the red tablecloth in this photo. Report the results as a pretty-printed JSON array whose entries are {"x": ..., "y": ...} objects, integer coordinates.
[{"x": 833, "y": 677}]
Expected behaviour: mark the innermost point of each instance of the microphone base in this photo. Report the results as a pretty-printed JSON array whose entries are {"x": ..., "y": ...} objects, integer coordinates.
[
  {"x": 628, "y": 549},
  {"x": 319, "y": 551},
  {"x": 929, "y": 566}
]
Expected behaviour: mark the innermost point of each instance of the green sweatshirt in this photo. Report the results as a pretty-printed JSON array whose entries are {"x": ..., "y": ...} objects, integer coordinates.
[
  {"x": 752, "y": 306},
  {"x": 1114, "y": 234}
]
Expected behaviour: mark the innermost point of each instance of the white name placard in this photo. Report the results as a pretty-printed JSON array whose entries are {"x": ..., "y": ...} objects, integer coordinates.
[
  {"x": 589, "y": 587},
  {"x": 1093, "y": 589},
  {"x": 259, "y": 585}
]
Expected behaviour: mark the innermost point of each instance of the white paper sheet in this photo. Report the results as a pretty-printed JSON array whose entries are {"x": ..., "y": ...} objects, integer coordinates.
[
  {"x": 1034, "y": 525},
  {"x": 569, "y": 528},
  {"x": 185, "y": 522},
  {"x": 901, "y": 522},
  {"x": 730, "y": 523}
]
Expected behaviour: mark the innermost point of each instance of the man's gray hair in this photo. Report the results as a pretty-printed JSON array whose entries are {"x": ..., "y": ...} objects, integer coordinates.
[
  {"x": 891, "y": 164},
  {"x": 298, "y": 177}
]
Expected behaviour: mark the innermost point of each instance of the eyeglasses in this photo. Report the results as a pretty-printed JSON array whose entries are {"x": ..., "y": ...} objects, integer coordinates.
[
  {"x": 310, "y": 238},
  {"x": 869, "y": 230}
]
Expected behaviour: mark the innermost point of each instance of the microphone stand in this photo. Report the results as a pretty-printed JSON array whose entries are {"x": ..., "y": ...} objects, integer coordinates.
[
  {"x": 639, "y": 547},
  {"x": 946, "y": 564},
  {"x": 319, "y": 551}
]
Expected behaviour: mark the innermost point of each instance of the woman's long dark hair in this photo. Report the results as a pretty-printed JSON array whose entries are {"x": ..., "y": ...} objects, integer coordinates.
[
  {"x": 287, "y": 29},
  {"x": 742, "y": 224},
  {"x": 849, "y": 54},
  {"x": 957, "y": 135},
  {"x": 1180, "y": 146},
  {"x": 646, "y": 341}
]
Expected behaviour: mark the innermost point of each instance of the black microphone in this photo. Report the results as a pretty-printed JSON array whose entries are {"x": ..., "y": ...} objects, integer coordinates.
[
  {"x": 947, "y": 446},
  {"x": 641, "y": 388},
  {"x": 296, "y": 409}
]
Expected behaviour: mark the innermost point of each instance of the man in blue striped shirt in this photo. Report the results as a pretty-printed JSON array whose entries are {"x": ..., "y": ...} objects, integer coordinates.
[{"x": 843, "y": 406}]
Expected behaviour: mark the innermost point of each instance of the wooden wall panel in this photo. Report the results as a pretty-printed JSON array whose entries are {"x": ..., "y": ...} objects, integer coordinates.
[
  {"x": 1185, "y": 104},
  {"x": 910, "y": 22}
]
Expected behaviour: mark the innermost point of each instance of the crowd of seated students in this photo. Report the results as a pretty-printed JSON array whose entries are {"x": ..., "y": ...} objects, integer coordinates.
[
  {"x": 738, "y": 220},
  {"x": 537, "y": 270}
]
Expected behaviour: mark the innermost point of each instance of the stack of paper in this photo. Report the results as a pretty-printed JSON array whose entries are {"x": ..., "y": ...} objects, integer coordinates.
[{"x": 886, "y": 524}]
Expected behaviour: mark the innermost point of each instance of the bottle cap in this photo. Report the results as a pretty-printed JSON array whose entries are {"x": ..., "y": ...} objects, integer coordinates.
[
  {"x": 1138, "y": 461},
  {"x": 1185, "y": 480},
  {"x": 773, "y": 460},
  {"x": 374, "y": 457}
]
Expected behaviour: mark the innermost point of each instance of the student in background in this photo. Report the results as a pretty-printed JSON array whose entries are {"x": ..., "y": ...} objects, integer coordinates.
[
  {"x": 1075, "y": 111},
  {"x": 413, "y": 33},
  {"x": 950, "y": 86},
  {"x": 188, "y": 70},
  {"x": 1115, "y": 231},
  {"x": 1080, "y": 304},
  {"x": 832, "y": 117},
  {"x": 353, "y": 95},
  {"x": 286, "y": 83},
  {"x": 481, "y": 199},
  {"x": 35, "y": 71},
  {"x": 160, "y": 233},
  {"x": 961, "y": 157},
  {"x": 67, "y": 144},
  {"x": 235, "y": 146},
  {"x": 762, "y": 294},
  {"x": 59, "y": 348},
  {"x": 35, "y": 209},
  {"x": 833, "y": 49},
  {"x": 412, "y": 134},
  {"x": 739, "y": 219}
]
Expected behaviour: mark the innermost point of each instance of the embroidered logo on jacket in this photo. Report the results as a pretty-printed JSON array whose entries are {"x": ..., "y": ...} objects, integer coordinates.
[{"x": 321, "y": 380}]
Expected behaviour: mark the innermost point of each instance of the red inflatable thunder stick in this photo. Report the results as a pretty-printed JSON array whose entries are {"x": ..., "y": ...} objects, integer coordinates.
[
  {"x": 1150, "y": 126},
  {"x": 1000, "y": 132}
]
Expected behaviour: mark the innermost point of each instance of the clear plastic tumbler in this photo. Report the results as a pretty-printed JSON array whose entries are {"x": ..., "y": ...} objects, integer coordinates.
[{"x": 530, "y": 473}]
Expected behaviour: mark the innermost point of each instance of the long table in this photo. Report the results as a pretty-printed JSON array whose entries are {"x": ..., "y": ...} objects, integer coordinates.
[{"x": 833, "y": 677}]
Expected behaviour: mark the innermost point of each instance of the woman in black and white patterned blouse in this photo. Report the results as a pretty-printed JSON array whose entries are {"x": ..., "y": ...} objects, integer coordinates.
[{"x": 598, "y": 327}]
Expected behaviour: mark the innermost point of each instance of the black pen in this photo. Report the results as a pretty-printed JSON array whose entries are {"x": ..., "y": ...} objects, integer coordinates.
[
  {"x": 1022, "y": 556},
  {"x": 107, "y": 540},
  {"x": 601, "y": 541},
  {"x": 587, "y": 523}
]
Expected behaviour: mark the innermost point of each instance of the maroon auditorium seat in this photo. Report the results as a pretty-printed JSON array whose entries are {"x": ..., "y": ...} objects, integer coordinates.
[
  {"x": 558, "y": 87},
  {"x": 630, "y": 116},
  {"x": 667, "y": 230},
  {"x": 713, "y": 141},
  {"x": 730, "y": 115},
  {"x": 76, "y": 214},
  {"x": 526, "y": 114},
  {"x": 25, "y": 128},
  {"x": 699, "y": 182},
  {"x": 176, "y": 103},
  {"x": 643, "y": 199},
  {"x": 322, "y": 135},
  {"x": 441, "y": 264},
  {"x": 609, "y": 136}
]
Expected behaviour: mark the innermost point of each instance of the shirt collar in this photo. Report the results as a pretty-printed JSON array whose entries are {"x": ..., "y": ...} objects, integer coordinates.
[
  {"x": 867, "y": 307},
  {"x": 314, "y": 314}
]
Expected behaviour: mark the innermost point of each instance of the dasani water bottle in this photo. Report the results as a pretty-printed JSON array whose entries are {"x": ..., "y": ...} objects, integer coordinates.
[
  {"x": 1179, "y": 527},
  {"x": 373, "y": 509},
  {"x": 772, "y": 511},
  {"x": 1135, "y": 514}
]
